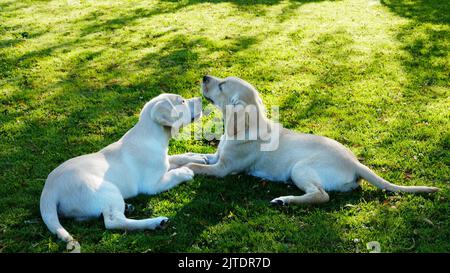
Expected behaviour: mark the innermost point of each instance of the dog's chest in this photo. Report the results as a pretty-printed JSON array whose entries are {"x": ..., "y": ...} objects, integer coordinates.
[{"x": 151, "y": 177}]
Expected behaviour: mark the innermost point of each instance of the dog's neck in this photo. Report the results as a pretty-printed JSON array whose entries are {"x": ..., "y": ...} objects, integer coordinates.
[
  {"x": 262, "y": 122},
  {"x": 149, "y": 131}
]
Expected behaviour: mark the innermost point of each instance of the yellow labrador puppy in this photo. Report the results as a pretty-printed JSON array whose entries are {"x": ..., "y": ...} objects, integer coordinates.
[
  {"x": 315, "y": 164},
  {"x": 97, "y": 184}
]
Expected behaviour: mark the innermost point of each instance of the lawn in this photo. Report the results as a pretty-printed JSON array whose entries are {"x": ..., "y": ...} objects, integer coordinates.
[{"x": 371, "y": 74}]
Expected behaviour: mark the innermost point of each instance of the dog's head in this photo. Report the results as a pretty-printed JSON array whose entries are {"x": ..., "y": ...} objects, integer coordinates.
[
  {"x": 235, "y": 94},
  {"x": 171, "y": 110},
  {"x": 230, "y": 91}
]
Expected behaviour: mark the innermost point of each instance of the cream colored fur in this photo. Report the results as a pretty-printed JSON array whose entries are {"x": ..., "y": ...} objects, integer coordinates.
[
  {"x": 97, "y": 184},
  {"x": 315, "y": 164}
]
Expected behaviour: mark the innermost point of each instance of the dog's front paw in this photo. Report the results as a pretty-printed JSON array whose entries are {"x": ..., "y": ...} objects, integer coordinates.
[
  {"x": 198, "y": 158},
  {"x": 202, "y": 159},
  {"x": 185, "y": 173}
]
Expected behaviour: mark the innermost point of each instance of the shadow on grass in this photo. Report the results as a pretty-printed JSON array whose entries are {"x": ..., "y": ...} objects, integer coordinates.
[
  {"x": 240, "y": 204},
  {"x": 243, "y": 2},
  {"x": 328, "y": 48},
  {"x": 20, "y": 37},
  {"x": 254, "y": 7},
  {"x": 427, "y": 45},
  {"x": 257, "y": 7},
  {"x": 426, "y": 42},
  {"x": 123, "y": 20},
  {"x": 82, "y": 117},
  {"x": 423, "y": 11}
]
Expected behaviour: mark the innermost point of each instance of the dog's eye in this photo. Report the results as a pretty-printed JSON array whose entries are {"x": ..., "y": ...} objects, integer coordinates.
[
  {"x": 220, "y": 86},
  {"x": 183, "y": 102}
]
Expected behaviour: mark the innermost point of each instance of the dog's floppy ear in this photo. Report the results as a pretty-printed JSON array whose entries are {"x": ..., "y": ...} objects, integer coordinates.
[
  {"x": 163, "y": 113},
  {"x": 237, "y": 119}
]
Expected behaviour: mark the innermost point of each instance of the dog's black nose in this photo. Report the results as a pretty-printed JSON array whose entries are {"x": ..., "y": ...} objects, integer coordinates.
[{"x": 205, "y": 79}]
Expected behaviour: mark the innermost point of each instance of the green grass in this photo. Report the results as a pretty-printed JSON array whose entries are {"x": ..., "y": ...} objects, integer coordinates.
[{"x": 372, "y": 75}]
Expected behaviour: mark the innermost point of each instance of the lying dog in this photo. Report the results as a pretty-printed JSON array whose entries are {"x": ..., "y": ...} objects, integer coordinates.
[
  {"x": 315, "y": 164},
  {"x": 97, "y": 184}
]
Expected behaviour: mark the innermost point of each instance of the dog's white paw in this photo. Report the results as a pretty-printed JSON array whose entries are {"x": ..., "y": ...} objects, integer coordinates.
[
  {"x": 161, "y": 222},
  {"x": 73, "y": 247},
  {"x": 280, "y": 201},
  {"x": 202, "y": 159},
  {"x": 185, "y": 173},
  {"x": 198, "y": 158}
]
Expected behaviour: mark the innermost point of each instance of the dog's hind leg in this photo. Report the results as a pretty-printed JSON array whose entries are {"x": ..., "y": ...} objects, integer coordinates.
[
  {"x": 114, "y": 217},
  {"x": 307, "y": 180}
]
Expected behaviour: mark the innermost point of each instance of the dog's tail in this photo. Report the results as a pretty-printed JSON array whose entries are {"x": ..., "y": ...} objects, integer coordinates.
[
  {"x": 366, "y": 173},
  {"x": 49, "y": 214}
]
